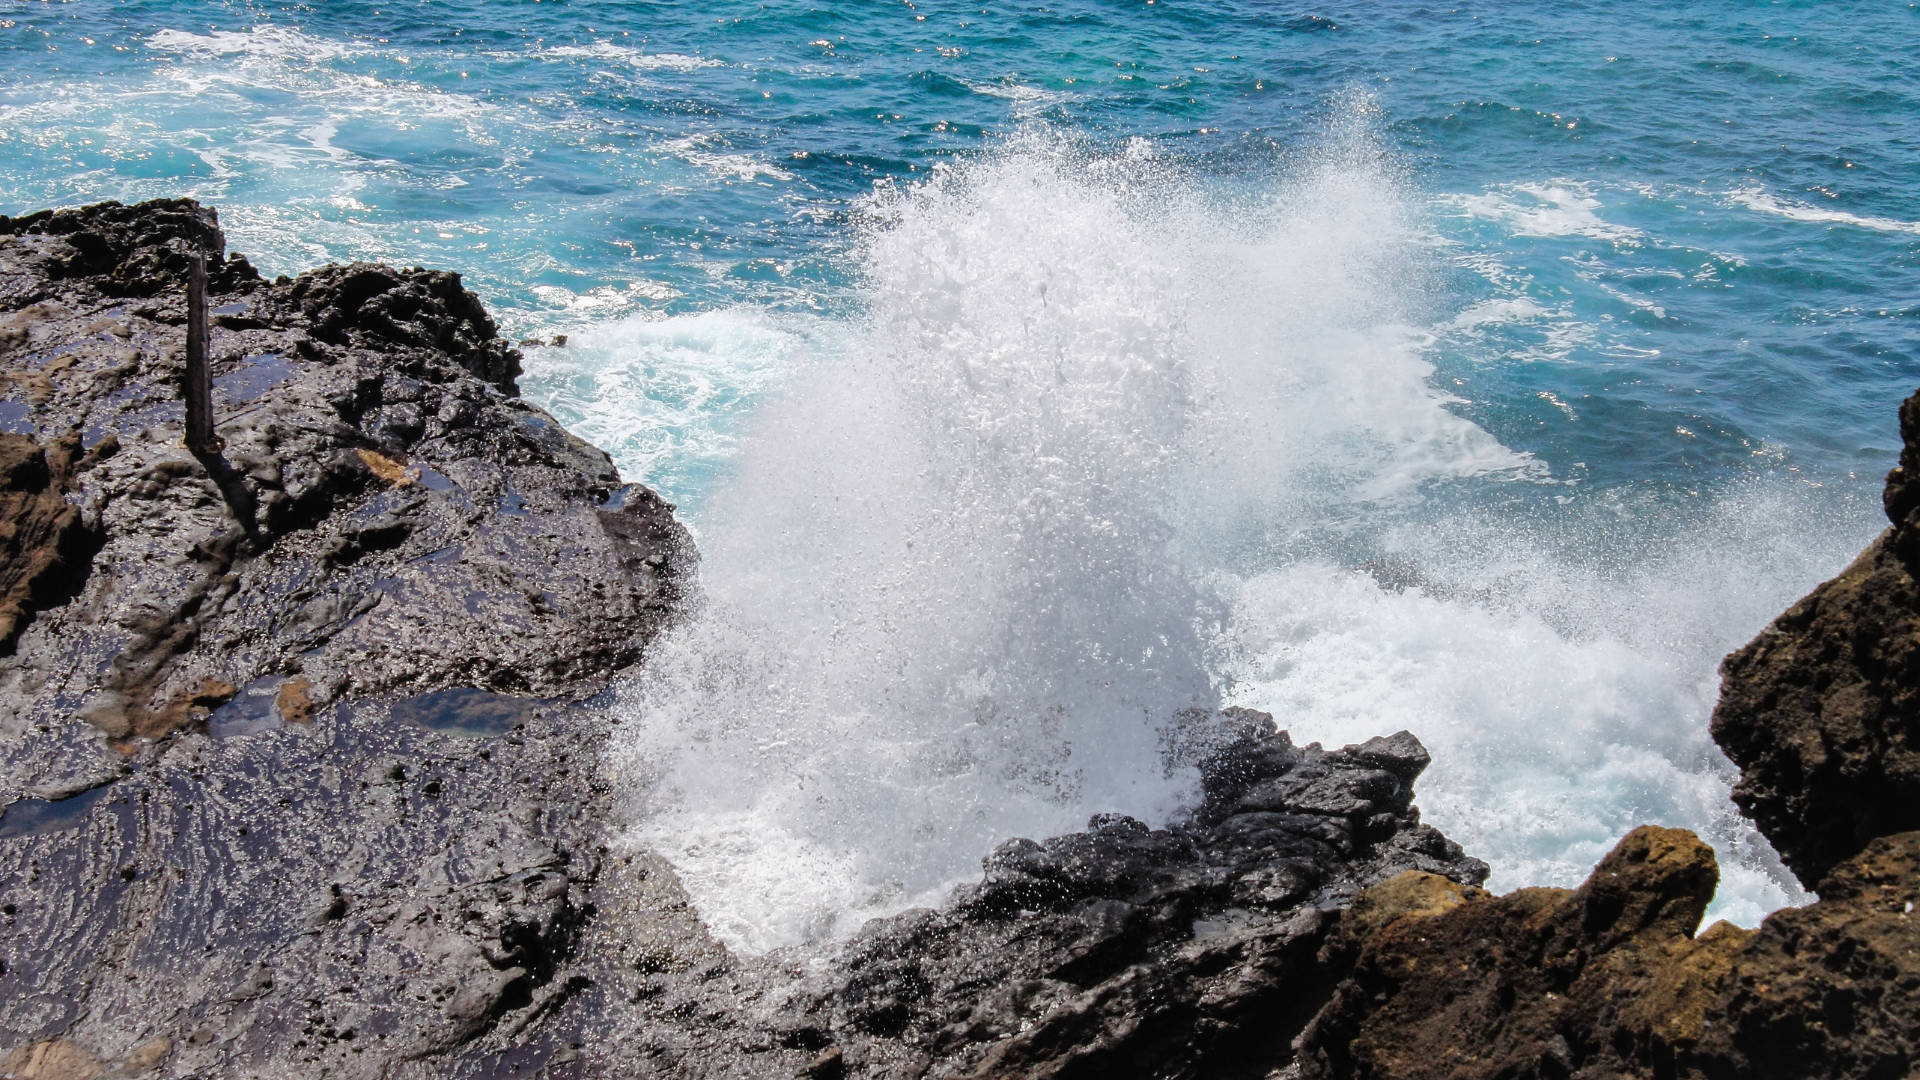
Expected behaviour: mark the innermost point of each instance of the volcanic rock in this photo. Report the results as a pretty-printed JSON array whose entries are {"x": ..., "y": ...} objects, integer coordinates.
[
  {"x": 381, "y": 493},
  {"x": 1822, "y": 710},
  {"x": 1609, "y": 981},
  {"x": 295, "y": 779},
  {"x": 45, "y": 546},
  {"x": 1540, "y": 982}
]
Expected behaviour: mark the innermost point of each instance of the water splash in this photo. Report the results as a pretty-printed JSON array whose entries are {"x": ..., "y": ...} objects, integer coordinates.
[
  {"x": 942, "y": 601},
  {"x": 947, "y": 596},
  {"x": 1102, "y": 450}
]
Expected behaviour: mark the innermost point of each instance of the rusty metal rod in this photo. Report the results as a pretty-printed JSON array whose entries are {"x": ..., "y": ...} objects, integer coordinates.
[{"x": 198, "y": 390}]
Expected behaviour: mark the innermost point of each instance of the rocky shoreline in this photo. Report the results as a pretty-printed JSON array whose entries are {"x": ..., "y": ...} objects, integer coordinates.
[{"x": 302, "y": 773}]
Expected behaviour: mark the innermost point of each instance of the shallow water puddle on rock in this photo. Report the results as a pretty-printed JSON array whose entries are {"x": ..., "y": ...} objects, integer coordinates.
[
  {"x": 1228, "y": 924},
  {"x": 16, "y": 418},
  {"x": 31, "y": 817},
  {"x": 250, "y": 712},
  {"x": 465, "y": 711},
  {"x": 432, "y": 479},
  {"x": 253, "y": 379}
]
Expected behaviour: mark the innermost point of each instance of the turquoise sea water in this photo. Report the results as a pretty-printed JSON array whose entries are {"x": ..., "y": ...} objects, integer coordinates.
[{"x": 1579, "y": 332}]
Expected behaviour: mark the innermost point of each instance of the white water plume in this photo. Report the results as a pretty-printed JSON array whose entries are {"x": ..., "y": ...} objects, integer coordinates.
[{"x": 1100, "y": 451}]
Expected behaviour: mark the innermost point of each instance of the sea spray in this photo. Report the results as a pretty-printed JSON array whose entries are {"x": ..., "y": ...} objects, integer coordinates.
[
  {"x": 942, "y": 604},
  {"x": 945, "y": 596},
  {"x": 1560, "y": 667}
]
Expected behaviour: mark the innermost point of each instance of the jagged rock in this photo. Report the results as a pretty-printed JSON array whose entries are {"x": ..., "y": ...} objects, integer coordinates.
[
  {"x": 1609, "y": 981},
  {"x": 126, "y": 251},
  {"x": 1829, "y": 990},
  {"x": 1822, "y": 710},
  {"x": 374, "y": 496},
  {"x": 1125, "y": 951},
  {"x": 371, "y": 304},
  {"x": 46, "y": 547},
  {"x": 306, "y": 859},
  {"x": 1535, "y": 983}
]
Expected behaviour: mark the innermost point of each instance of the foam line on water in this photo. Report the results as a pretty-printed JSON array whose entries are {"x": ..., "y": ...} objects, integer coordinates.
[
  {"x": 1765, "y": 203},
  {"x": 1555, "y": 208},
  {"x": 663, "y": 396}
]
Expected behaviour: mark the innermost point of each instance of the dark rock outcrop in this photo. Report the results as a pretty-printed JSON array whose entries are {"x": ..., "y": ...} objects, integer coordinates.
[
  {"x": 380, "y": 492},
  {"x": 46, "y": 550},
  {"x": 1822, "y": 710},
  {"x": 1540, "y": 982},
  {"x": 121, "y": 251},
  {"x": 292, "y": 775},
  {"x": 1609, "y": 980},
  {"x": 1124, "y": 952},
  {"x": 378, "y": 306}
]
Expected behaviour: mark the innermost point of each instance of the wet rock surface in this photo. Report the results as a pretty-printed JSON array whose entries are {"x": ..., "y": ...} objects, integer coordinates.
[
  {"x": 243, "y": 831},
  {"x": 1540, "y": 982},
  {"x": 1609, "y": 979},
  {"x": 1819, "y": 712},
  {"x": 1129, "y": 952},
  {"x": 384, "y": 516},
  {"x": 46, "y": 549}
]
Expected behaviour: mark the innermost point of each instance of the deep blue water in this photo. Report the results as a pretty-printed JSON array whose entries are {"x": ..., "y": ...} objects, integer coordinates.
[
  {"x": 1671, "y": 251},
  {"x": 1747, "y": 270}
]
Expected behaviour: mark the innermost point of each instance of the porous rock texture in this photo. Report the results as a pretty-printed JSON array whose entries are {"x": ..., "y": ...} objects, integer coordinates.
[
  {"x": 1608, "y": 980},
  {"x": 1540, "y": 982},
  {"x": 45, "y": 547},
  {"x": 1822, "y": 710},
  {"x": 333, "y": 889},
  {"x": 1125, "y": 952},
  {"x": 1819, "y": 712},
  {"x": 385, "y": 516}
]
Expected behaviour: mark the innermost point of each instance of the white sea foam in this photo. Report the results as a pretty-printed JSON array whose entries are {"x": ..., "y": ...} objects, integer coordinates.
[
  {"x": 627, "y": 54},
  {"x": 1012, "y": 91},
  {"x": 1561, "y": 676},
  {"x": 1559, "y": 208},
  {"x": 662, "y": 396},
  {"x": 1756, "y": 199},
  {"x": 696, "y": 150},
  {"x": 1499, "y": 312},
  {"x": 1029, "y": 102},
  {"x": 269, "y": 41}
]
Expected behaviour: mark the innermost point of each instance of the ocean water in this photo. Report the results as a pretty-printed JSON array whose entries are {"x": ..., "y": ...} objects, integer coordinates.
[{"x": 1034, "y": 374}]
